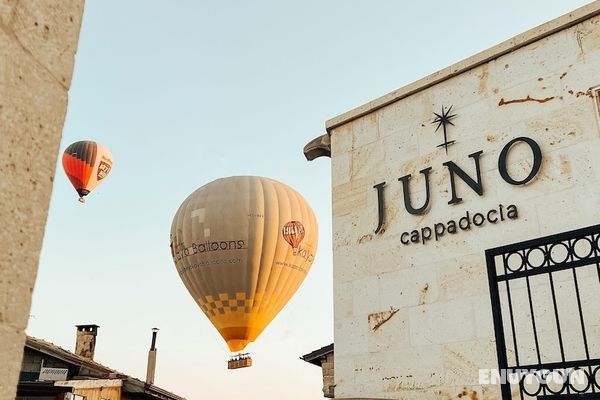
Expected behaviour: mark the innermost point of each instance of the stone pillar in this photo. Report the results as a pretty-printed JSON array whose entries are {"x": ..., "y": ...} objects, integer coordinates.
[{"x": 38, "y": 40}]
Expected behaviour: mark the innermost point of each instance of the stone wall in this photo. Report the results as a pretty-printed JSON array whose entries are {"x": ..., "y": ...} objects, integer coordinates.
[
  {"x": 38, "y": 40},
  {"x": 414, "y": 321},
  {"x": 327, "y": 365}
]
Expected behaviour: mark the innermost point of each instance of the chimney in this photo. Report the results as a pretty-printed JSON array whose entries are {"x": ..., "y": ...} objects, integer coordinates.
[
  {"x": 152, "y": 359},
  {"x": 86, "y": 341}
]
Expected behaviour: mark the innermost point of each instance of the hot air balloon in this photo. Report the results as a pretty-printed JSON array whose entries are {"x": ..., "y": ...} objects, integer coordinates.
[
  {"x": 86, "y": 164},
  {"x": 242, "y": 246}
]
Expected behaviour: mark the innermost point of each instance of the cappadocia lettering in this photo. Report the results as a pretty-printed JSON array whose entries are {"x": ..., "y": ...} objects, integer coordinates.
[{"x": 465, "y": 223}]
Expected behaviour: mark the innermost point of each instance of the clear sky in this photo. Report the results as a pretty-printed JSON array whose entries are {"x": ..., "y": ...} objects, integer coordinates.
[{"x": 184, "y": 92}]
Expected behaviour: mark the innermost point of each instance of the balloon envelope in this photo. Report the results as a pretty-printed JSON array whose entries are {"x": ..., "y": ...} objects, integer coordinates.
[
  {"x": 86, "y": 164},
  {"x": 236, "y": 257}
]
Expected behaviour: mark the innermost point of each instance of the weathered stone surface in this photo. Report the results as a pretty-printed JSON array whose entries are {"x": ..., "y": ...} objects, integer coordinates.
[
  {"x": 430, "y": 303},
  {"x": 37, "y": 46},
  {"x": 11, "y": 344},
  {"x": 49, "y": 31}
]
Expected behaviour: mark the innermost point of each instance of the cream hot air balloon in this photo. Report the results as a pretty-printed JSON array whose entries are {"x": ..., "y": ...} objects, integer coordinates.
[{"x": 242, "y": 246}]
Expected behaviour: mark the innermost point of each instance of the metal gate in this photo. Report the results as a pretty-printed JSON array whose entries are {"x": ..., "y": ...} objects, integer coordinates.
[{"x": 545, "y": 296}]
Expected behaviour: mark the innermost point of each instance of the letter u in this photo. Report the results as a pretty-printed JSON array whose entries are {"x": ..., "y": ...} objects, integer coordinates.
[{"x": 406, "y": 192}]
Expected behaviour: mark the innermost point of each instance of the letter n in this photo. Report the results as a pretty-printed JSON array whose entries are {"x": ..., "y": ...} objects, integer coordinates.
[{"x": 477, "y": 186}]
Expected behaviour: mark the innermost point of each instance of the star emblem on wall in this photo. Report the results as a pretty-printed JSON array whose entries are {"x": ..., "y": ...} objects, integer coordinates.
[{"x": 443, "y": 120}]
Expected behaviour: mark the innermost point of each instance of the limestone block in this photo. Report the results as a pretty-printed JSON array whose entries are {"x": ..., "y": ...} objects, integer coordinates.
[
  {"x": 364, "y": 130},
  {"x": 365, "y": 296},
  {"x": 367, "y": 368},
  {"x": 440, "y": 323},
  {"x": 352, "y": 331},
  {"x": 484, "y": 323},
  {"x": 343, "y": 298},
  {"x": 341, "y": 169},
  {"x": 341, "y": 140},
  {"x": 399, "y": 146},
  {"x": 399, "y": 118},
  {"x": 542, "y": 58},
  {"x": 388, "y": 332},
  {"x": 49, "y": 31},
  {"x": 566, "y": 204},
  {"x": 461, "y": 392},
  {"x": 411, "y": 369},
  {"x": 343, "y": 231},
  {"x": 366, "y": 160},
  {"x": 587, "y": 36},
  {"x": 462, "y": 277},
  {"x": 344, "y": 375},
  {"x": 463, "y": 360},
  {"x": 350, "y": 197},
  {"x": 358, "y": 263},
  {"x": 408, "y": 287}
]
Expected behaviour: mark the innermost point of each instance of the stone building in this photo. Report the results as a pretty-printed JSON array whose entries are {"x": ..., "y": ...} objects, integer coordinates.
[
  {"x": 465, "y": 226},
  {"x": 38, "y": 40},
  {"x": 49, "y": 372},
  {"x": 323, "y": 358}
]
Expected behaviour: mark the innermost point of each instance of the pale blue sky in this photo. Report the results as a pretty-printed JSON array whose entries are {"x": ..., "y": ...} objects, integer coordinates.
[{"x": 184, "y": 92}]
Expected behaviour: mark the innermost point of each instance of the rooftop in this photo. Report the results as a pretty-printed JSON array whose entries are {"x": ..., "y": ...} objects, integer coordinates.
[
  {"x": 130, "y": 384},
  {"x": 316, "y": 356}
]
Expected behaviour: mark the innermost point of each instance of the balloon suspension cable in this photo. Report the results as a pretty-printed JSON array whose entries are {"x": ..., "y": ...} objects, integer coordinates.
[{"x": 81, "y": 200}]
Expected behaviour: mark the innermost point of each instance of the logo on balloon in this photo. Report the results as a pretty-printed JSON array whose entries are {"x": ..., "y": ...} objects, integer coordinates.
[
  {"x": 293, "y": 233},
  {"x": 103, "y": 170}
]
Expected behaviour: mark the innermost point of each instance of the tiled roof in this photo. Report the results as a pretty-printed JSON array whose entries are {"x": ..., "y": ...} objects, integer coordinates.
[
  {"x": 132, "y": 383},
  {"x": 65, "y": 355},
  {"x": 314, "y": 357}
]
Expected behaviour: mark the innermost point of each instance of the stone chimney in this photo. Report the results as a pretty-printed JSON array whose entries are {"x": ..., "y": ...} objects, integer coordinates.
[
  {"x": 151, "y": 359},
  {"x": 86, "y": 341}
]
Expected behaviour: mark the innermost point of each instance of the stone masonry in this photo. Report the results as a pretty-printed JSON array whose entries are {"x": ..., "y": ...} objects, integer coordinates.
[
  {"x": 328, "y": 378},
  {"x": 38, "y": 41}
]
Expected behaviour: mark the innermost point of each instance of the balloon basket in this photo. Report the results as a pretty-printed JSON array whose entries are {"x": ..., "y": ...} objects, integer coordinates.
[{"x": 239, "y": 361}]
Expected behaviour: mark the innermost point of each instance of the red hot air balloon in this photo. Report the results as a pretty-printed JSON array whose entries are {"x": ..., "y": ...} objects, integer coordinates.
[
  {"x": 86, "y": 164},
  {"x": 293, "y": 233}
]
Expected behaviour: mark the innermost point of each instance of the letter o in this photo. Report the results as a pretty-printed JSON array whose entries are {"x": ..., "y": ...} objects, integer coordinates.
[
  {"x": 481, "y": 218},
  {"x": 537, "y": 160}
]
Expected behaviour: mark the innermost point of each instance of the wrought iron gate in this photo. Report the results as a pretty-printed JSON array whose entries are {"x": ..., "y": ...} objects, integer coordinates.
[{"x": 545, "y": 296}]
